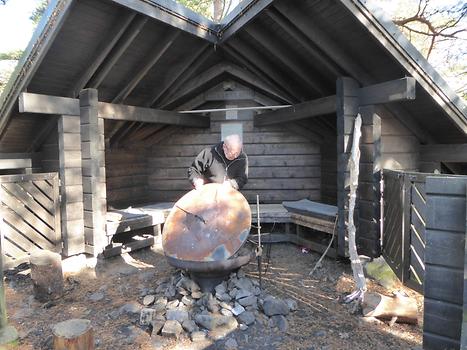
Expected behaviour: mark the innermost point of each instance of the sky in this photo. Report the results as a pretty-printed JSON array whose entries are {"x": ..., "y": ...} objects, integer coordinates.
[{"x": 15, "y": 22}]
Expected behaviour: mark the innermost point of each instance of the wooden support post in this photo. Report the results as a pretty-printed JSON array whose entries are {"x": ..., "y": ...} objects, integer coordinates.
[
  {"x": 71, "y": 189},
  {"x": 93, "y": 164},
  {"x": 369, "y": 192},
  {"x": 346, "y": 110},
  {"x": 8, "y": 334}
]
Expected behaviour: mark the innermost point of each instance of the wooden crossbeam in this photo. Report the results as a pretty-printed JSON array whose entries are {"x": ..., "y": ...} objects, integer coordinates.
[
  {"x": 455, "y": 153},
  {"x": 15, "y": 163},
  {"x": 148, "y": 115},
  {"x": 390, "y": 91},
  {"x": 314, "y": 108},
  {"x": 44, "y": 104}
]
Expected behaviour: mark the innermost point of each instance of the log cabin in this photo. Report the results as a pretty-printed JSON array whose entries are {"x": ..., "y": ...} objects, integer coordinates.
[{"x": 112, "y": 99}]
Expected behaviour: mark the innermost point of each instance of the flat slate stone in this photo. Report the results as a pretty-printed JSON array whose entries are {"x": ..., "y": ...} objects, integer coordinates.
[
  {"x": 310, "y": 208},
  {"x": 172, "y": 329},
  {"x": 273, "y": 306}
]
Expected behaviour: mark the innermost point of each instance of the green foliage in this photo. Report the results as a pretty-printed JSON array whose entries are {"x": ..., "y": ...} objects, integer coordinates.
[
  {"x": 39, "y": 11},
  {"x": 12, "y": 55},
  {"x": 203, "y": 7}
]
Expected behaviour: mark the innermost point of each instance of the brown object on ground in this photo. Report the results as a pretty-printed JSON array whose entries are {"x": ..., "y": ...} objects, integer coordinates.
[
  {"x": 46, "y": 275},
  {"x": 74, "y": 334},
  {"x": 384, "y": 307}
]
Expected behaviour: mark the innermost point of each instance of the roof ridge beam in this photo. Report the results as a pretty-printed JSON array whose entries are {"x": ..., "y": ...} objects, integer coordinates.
[{"x": 175, "y": 15}]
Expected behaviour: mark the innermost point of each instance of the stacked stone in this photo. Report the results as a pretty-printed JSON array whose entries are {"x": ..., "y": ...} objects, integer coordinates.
[{"x": 235, "y": 303}]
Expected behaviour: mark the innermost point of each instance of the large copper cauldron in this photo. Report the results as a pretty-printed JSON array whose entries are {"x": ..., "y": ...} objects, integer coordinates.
[{"x": 205, "y": 229}]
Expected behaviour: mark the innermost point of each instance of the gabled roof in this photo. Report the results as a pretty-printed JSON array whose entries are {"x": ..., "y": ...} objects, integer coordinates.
[{"x": 148, "y": 52}]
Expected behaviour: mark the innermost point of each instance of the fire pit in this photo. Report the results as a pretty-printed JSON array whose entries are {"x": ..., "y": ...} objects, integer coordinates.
[{"x": 205, "y": 230}]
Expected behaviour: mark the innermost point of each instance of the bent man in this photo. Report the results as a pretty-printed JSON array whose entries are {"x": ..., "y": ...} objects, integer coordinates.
[{"x": 223, "y": 163}]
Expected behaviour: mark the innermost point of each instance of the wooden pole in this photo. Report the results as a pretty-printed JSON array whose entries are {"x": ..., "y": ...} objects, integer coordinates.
[{"x": 8, "y": 334}]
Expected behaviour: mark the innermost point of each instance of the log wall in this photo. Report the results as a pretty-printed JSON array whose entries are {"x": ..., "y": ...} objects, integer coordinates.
[
  {"x": 445, "y": 294},
  {"x": 127, "y": 176},
  {"x": 282, "y": 165},
  {"x": 399, "y": 146}
]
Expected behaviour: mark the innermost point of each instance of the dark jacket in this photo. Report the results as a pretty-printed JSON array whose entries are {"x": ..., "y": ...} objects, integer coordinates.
[{"x": 211, "y": 165}]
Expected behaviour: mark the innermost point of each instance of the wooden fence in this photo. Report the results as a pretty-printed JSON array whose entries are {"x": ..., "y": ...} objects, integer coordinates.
[
  {"x": 30, "y": 215},
  {"x": 445, "y": 281},
  {"x": 404, "y": 211}
]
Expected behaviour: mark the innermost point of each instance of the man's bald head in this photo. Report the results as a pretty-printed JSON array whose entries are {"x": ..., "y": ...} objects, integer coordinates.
[{"x": 232, "y": 146}]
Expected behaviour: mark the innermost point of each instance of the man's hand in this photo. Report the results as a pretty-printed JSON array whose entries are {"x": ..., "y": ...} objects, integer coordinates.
[{"x": 198, "y": 183}]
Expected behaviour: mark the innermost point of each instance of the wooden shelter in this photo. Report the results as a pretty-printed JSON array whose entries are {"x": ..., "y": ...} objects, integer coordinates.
[{"x": 101, "y": 94}]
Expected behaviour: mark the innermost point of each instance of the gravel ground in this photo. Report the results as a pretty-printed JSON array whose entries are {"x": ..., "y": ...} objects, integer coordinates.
[{"x": 321, "y": 321}]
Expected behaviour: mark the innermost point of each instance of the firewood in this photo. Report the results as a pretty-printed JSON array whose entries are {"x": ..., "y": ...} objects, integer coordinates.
[
  {"x": 74, "y": 334},
  {"x": 384, "y": 307},
  {"x": 46, "y": 275}
]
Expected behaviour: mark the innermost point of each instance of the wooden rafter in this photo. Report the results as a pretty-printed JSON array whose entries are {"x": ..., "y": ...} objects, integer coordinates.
[
  {"x": 214, "y": 73},
  {"x": 123, "y": 44},
  {"x": 258, "y": 65},
  {"x": 269, "y": 43},
  {"x": 107, "y": 44}
]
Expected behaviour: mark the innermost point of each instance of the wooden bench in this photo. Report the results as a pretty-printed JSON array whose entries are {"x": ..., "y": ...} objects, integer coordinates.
[
  {"x": 134, "y": 219},
  {"x": 316, "y": 216}
]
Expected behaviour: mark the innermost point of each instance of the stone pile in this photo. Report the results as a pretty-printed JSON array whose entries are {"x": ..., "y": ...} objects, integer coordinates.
[{"x": 177, "y": 306}]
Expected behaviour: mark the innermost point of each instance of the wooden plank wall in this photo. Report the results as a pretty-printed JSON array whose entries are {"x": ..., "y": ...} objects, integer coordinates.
[
  {"x": 399, "y": 146},
  {"x": 48, "y": 158},
  {"x": 444, "y": 261},
  {"x": 126, "y": 176},
  {"x": 283, "y": 165}
]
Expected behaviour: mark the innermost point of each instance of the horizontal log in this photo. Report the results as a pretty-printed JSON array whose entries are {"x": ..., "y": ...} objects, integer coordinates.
[
  {"x": 15, "y": 163},
  {"x": 390, "y": 91},
  {"x": 148, "y": 115},
  {"x": 45, "y": 104},
  {"x": 314, "y": 108}
]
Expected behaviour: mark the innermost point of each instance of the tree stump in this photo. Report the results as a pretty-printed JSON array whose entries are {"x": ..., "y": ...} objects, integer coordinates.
[
  {"x": 46, "y": 275},
  {"x": 74, "y": 334}
]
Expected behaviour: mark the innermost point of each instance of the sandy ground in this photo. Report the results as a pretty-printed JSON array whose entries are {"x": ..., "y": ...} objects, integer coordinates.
[{"x": 321, "y": 321}]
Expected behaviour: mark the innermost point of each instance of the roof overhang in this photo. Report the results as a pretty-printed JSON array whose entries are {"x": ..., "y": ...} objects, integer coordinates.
[{"x": 177, "y": 16}]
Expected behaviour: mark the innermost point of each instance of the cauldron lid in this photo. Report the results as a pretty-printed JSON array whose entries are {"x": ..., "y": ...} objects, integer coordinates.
[{"x": 209, "y": 224}]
